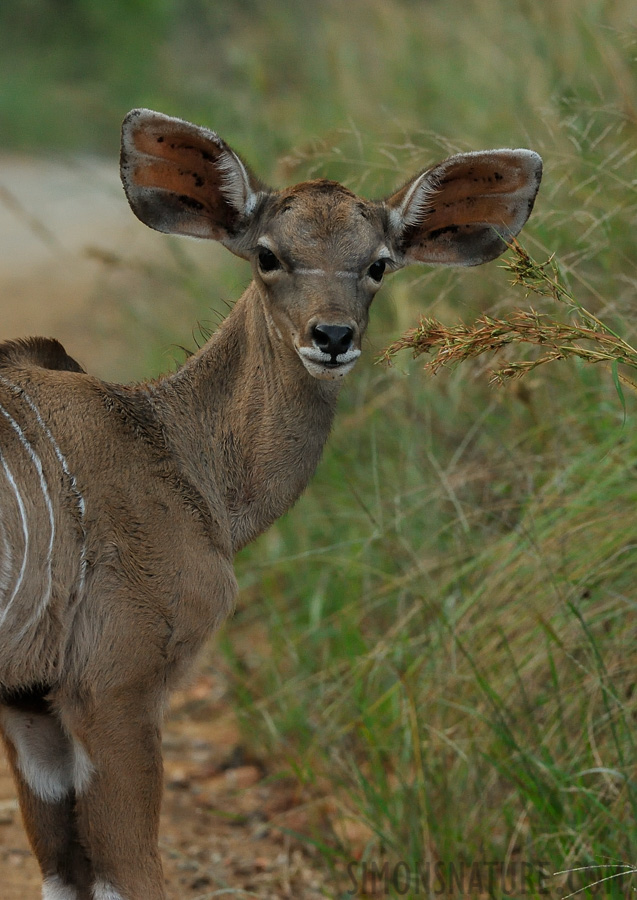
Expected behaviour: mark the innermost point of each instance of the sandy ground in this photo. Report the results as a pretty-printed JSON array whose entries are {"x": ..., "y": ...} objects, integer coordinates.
[
  {"x": 77, "y": 265},
  {"x": 60, "y": 221},
  {"x": 69, "y": 251}
]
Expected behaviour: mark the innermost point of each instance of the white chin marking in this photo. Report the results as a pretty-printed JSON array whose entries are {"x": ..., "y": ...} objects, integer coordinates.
[
  {"x": 104, "y": 891},
  {"x": 55, "y": 889},
  {"x": 318, "y": 365}
]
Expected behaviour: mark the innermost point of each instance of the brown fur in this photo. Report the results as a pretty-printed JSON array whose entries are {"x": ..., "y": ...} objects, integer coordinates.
[
  {"x": 48, "y": 353},
  {"x": 123, "y": 506}
]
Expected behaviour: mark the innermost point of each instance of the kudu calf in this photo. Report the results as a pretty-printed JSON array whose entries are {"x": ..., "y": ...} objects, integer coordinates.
[{"x": 123, "y": 506}]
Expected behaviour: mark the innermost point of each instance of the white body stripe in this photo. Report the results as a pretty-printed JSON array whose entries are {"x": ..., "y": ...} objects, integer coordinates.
[
  {"x": 6, "y": 566},
  {"x": 20, "y": 392},
  {"x": 35, "y": 459},
  {"x": 25, "y": 533},
  {"x": 79, "y": 499}
]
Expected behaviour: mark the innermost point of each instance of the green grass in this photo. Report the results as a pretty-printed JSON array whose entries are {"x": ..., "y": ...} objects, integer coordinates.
[
  {"x": 456, "y": 658},
  {"x": 450, "y": 608}
]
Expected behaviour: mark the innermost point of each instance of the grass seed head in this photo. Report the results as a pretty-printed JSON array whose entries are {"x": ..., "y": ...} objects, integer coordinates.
[{"x": 585, "y": 336}]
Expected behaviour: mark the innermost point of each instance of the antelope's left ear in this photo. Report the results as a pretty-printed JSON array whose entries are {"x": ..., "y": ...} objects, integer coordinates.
[{"x": 464, "y": 210}]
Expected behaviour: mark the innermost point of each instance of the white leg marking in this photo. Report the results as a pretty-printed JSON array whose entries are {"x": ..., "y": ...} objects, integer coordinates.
[
  {"x": 25, "y": 533},
  {"x": 35, "y": 459},
  {"x": 104, "y": 891},
  {"x": 51, "y": 762},
  {"x": 55, "y": 889},
  {"x": 82, "y": 767},
  {"x": 79, "y": 499}
]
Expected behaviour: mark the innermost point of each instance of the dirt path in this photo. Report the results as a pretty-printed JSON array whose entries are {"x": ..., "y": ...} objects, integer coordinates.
[
  {"x": 56, "y": 218},
  {"x": 76, "y": 264},
  {"x": 69, "y": 247}
]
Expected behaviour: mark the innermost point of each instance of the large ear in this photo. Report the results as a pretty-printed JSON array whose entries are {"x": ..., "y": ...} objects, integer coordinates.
[
  {"x": 463, "y": 211},
  {"x": 183, "y": 179}
]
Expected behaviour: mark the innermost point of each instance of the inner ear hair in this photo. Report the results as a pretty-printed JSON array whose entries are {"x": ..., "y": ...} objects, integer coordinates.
[
  {"x": 464, "y": 210},
  {"x": 417, "y": 201}
]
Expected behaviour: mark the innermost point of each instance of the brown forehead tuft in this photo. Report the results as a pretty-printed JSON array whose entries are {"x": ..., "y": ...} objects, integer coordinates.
[{"x": 310, "y": 190}]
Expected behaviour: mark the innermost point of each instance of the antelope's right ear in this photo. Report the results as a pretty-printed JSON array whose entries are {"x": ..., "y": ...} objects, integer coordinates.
[
  {"x": 465, "y": 210},
  {"x": 183, "y": 179}
]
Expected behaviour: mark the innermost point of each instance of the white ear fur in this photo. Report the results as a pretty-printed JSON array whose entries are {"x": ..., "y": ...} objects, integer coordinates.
[
  {"x": 235, "y": 185},
  {"x": 463, "y": 211},
  {"x": 416, "y": 202}
]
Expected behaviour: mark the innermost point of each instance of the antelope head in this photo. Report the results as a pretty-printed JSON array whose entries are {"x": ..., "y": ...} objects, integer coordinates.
[{"x": 318, "y": 252}]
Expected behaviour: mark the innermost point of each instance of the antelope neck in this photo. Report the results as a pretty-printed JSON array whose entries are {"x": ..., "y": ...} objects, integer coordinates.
[{"x": 245, "y": 422}]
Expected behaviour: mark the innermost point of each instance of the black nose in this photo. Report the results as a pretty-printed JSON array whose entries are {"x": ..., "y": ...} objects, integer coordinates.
[{"x": 333, "y": 339}]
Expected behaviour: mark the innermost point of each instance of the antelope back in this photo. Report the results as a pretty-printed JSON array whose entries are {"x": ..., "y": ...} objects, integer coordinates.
[{"x": 42, "y": 564}]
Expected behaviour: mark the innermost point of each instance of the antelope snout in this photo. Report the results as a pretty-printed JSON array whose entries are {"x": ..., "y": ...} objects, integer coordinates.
[
  {"x": 331, "y": 351},
  {"x": 333, "y": 339}
]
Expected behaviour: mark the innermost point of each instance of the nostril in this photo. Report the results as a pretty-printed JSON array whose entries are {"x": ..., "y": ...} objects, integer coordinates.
[{"x": 333, "y": 339}]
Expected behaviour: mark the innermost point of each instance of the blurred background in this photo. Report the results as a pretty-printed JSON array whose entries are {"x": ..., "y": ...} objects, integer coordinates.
[{"x": 440, "y": 638}]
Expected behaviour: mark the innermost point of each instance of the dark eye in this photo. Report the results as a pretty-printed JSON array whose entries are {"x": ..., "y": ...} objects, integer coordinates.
[
  {"x": 377, "y": 270},
  {"x": 267, "y": 260}
]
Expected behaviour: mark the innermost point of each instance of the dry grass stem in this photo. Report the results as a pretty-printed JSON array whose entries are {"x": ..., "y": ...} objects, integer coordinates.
[{"x": 585, "y": 337}]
